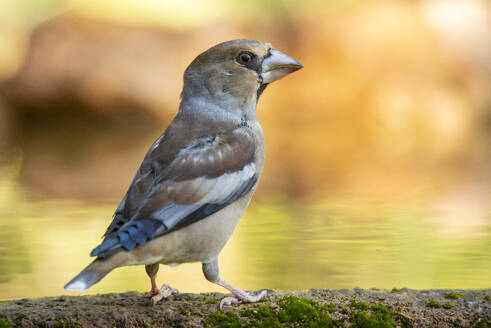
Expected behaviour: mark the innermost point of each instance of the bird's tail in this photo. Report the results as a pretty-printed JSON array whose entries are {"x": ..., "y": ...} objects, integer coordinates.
[{"x": 94, "y": 272}]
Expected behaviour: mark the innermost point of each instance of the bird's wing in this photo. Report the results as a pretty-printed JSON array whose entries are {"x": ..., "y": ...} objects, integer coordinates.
[{"x": 179, "y": 185}]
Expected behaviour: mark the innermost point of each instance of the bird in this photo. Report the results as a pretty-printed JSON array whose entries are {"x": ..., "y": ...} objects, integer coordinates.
[{"x": 197, "y": 179}]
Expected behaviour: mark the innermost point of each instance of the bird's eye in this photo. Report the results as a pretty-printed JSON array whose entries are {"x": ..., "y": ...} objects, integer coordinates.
[{"x": 244, "y": 57}]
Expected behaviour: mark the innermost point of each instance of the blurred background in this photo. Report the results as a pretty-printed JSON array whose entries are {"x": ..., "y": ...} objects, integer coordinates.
[{"x": 378, "y": 170}]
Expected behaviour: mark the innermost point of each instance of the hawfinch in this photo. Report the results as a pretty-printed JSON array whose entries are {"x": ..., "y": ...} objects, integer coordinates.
[{"x": 197, "y": 178}]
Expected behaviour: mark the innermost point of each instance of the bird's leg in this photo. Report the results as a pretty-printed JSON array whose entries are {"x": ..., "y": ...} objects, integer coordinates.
[
  {"x": 210, "y": 269},
  {"x": 157, "y": 294}
]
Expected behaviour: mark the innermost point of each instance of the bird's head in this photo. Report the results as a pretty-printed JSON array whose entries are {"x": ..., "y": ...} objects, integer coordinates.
[{"x": 235, "y": 73}]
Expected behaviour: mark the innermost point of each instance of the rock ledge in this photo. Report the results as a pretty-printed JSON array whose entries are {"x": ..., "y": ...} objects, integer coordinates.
[{"x": 314, "y": 308}]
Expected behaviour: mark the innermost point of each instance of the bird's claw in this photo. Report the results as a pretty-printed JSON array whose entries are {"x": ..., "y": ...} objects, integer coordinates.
[
  {"x": 229, "y": 301},
  {"x": 164, "y": 292},
  {"x": 242, "y": 298}
]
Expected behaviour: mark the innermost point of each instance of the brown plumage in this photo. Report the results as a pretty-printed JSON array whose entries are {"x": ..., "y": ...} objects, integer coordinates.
[{"x": 197, "y": 179}]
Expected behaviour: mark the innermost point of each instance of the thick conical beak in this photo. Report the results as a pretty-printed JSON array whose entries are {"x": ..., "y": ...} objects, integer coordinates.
[{"x": 278, "y": 65}]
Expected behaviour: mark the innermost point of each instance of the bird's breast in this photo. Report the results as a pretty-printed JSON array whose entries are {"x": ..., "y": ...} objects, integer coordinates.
[{"x": 198, "y": 242}]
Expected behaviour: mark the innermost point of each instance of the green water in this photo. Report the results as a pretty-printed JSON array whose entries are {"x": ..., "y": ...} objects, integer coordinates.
[{"x": 279, "y": 244}]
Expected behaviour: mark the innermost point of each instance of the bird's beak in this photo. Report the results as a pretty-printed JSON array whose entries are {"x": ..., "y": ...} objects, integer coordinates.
[{"x": 278, "y": 65}]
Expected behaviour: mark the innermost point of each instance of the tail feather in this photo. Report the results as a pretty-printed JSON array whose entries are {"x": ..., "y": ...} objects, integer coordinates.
[{"x": 94, "y": 272}]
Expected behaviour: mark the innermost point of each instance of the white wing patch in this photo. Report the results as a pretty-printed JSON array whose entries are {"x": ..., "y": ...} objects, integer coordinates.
[
  {"x": 226, "y": 185},
  {"x": 217, "y": 190},
  {"x": 202, "y": 191}
]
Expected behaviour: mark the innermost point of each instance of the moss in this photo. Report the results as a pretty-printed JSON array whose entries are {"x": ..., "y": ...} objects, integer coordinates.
[
  {"x": 262, "y": 317},
  {"x": 482, "y": 324},
  {"x": 300, "y": 312},
  {"x": 453, "y": 295},
  {"x": 395, "y": 290},
  {"x": 291, "y": 312},
  {"x": 487, "y": 298},
  {"x": 304, "y": 311},
  {"x": 20, "y": 316},
  {"x": 3, "y": 321},
  {"x": 359, "y": 305},
  {"x": 379, "y": 316},
  {"x": 367, "y": 320},
  {"x": 223, "y": 320},
  {"x": 433, "y": 304}
]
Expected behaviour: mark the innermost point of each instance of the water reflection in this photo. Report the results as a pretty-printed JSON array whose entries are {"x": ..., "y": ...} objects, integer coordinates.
[
  {"x": 279, "y": 244},
  {"x": 15, "y": 259}
]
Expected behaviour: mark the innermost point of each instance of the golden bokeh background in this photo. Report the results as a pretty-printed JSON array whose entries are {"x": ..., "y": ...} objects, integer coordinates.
[{"x": 378, "y": 151}]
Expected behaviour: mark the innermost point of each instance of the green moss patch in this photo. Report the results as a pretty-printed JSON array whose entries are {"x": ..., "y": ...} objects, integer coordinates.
[
  {"x": 291, "y": 312},
  {"x": 223, "y": 320},
  {"x": 482, "y": 324},
  {"x": 300, "y": 312},
  {"x": 453, "y": 295},
  {"x": 378, "y": 316},
  {"x": 359, "y": 305},
  {"x": 434, "y": 304},
  {"x": 331, "y": 307},
  {"x": 3, "y": 321}
]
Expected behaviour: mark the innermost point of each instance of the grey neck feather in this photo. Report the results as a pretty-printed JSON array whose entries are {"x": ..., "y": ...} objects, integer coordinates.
[{"x": 198, "y": 99}]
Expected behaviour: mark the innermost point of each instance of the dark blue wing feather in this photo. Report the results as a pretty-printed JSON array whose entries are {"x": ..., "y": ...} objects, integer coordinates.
[
  {"x": 141, "y": 231},
  {"x": 174, "y": 185}
]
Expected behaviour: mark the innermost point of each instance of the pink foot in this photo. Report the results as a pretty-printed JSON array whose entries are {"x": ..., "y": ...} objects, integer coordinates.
[
  {"x": 242, "y": 297},
  {"x": 164, "y": 292}
]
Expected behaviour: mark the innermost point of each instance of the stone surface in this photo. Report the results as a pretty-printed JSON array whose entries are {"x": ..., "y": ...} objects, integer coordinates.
[{"x": 131, "y": 309}]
